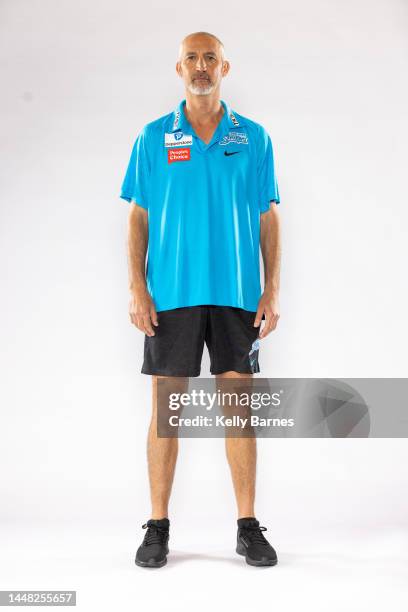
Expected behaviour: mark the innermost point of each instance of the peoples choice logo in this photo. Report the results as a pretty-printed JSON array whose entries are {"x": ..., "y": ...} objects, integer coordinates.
[
  {"x": 235, "y": 137},
  {"x": 178, "y": 155},
  {"x": 178, "y": 139}
]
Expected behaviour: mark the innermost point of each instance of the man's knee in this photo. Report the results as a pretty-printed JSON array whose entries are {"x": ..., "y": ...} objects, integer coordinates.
[
  {"x": 233, "y": 374},
  {"x": 168, "y": 385}
]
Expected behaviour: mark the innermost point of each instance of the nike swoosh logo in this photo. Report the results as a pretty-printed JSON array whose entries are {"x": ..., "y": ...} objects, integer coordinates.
[{"x": 232, "y": 153}]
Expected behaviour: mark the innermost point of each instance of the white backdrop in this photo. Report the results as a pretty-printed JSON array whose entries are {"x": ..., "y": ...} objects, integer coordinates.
[{"x": 79, "y": 79}]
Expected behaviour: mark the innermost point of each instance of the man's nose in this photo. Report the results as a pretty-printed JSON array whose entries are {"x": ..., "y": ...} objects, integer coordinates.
[{"x": 201, "y": 64}]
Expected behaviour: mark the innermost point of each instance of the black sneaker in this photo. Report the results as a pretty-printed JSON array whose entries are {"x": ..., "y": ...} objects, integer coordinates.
[
  {"x": 154, "y": 548},
  {"x": 252, "y": 543}
]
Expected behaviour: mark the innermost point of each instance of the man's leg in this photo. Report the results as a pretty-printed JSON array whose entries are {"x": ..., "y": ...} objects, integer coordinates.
[
  {"x": 173, "y": 354},
  {"x": 241, "y": 455},
  {"x": 162, "y": 454}
]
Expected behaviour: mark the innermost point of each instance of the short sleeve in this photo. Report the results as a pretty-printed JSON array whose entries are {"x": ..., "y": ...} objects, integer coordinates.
[
  {"x": 135, "y": 185},
  {"x": 268, "y": 186}
]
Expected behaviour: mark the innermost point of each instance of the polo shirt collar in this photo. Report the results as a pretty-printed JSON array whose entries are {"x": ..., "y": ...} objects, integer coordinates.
[
  {"x": 180, "y": 122},
  {"x": 232, "y": 119}
]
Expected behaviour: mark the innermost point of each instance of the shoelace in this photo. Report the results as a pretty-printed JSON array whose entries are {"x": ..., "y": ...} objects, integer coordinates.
[
  {"x": 154, "y": 534},
  {"x": 255, "y": 534}
]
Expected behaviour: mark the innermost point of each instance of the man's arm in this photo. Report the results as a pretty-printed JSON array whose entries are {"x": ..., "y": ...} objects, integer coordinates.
[
  {"x": 271, "y": 253},
  {"x": 141, "y": 308}
]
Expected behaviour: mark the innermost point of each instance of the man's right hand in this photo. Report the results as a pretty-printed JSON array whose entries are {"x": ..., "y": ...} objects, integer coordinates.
[{"x": 143, "y": 312}]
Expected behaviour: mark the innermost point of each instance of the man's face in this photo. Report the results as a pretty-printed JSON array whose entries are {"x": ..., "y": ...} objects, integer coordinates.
[{"x": 201, "y": 64}]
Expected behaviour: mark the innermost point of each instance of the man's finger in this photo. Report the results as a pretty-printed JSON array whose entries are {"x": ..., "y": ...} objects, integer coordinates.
[
  {"x": 258, "y": 317},
  {"x": 153, "y": 316},
  {"x": 267, "y": 327},
  {"x": 148, "y": 325},
  {"x": 274, "y": 321},
  {"x": 133, "y": 318},
  {"x": 270, "y": 324},
  {"x": 141, "y": 323}
]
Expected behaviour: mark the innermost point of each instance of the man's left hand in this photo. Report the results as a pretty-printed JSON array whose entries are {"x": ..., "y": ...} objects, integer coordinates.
[{"x": 268, "y": 305}]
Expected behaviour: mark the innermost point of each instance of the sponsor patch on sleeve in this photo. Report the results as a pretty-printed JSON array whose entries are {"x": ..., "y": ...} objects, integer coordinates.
[{"x": 177, "y": 155}]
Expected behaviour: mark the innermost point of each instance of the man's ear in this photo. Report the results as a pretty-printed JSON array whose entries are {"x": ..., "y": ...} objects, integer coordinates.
[
  {"x": 179, "y": 69},
  {"x": 225, "y": 68}
]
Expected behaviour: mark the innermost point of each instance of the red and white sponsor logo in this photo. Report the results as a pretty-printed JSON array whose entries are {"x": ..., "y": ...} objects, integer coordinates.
[{"x": 176, "y": 155}]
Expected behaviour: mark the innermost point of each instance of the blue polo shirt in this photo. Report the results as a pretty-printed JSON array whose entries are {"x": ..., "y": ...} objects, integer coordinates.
[{"x": 204, "y": 203}]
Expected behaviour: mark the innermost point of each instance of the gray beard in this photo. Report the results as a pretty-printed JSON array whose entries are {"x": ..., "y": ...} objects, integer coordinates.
[{"x": 199, "y": 90}]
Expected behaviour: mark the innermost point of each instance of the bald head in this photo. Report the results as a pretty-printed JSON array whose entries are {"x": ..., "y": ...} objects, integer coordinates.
[
  {"x": 190, "y": 38},
  {"x": 202, "y": 63}
]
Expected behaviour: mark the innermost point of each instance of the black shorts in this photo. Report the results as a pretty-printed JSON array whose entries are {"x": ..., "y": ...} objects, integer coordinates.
[{"x": 177, "y": 347}]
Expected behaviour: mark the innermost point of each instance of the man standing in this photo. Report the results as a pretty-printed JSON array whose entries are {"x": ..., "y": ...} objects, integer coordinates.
[{"x": 204, "y": 197}]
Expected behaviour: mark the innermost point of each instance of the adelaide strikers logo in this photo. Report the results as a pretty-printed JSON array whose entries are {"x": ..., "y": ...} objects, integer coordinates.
[{"x": 178, "y": 135}]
